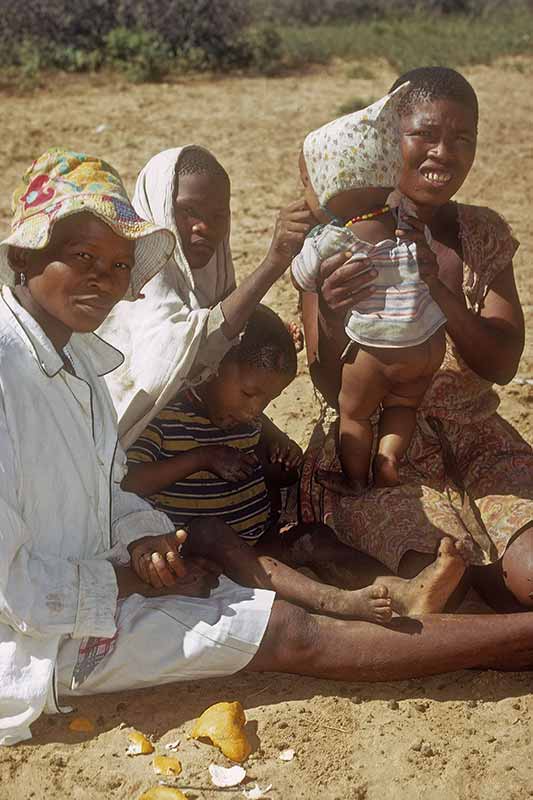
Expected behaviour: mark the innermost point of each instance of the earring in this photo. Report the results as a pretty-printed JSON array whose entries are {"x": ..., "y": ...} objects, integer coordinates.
[{"x": 23, "y": 279}]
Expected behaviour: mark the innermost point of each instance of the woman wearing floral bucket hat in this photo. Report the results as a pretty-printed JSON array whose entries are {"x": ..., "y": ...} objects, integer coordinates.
[{"x": 74, "y": 618}]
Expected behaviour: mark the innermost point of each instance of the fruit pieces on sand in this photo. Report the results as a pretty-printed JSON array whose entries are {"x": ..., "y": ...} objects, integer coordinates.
[
  {"x": 163, "y": 793},
  {"x": 223, "y": 724},
  {"x": 139, "y": 744},
  {"x": 167, "y": 766}
]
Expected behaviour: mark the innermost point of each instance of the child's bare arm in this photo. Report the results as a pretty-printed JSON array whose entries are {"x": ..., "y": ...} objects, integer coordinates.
[{"x": 151, "y": 477}]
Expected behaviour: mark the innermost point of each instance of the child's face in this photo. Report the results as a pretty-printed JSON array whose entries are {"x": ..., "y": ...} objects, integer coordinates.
[
  {"x": 239, "y": 394},
  {"x": 438, "y": 141},
  {"x": 202, "y": 214},
  {"x": 80, "y": 275}
]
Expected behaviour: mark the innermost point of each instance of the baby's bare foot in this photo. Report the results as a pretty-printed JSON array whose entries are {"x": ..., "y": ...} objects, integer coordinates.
[
  {"x": 386, "y": 472},
  {"x": 430, "y": 590},
  {"x": 371, "y": 603}
]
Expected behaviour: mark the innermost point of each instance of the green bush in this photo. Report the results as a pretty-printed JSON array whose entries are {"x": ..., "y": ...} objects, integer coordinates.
[{"x": 143, "y": 56}]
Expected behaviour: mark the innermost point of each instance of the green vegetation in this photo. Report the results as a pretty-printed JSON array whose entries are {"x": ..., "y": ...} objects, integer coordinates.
[
  {"x": 419, "y": 39},
  {"x": 148, "y": 40}
]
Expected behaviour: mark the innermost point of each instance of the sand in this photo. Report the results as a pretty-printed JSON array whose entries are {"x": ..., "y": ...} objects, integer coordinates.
[{"x": 463, "y": 735}]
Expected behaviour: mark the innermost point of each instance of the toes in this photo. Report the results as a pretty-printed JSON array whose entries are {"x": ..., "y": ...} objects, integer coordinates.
[
  {"x": 447, "y": 547},
  {"x": 379, "y": 591},
  {"x": 385, "y": 602},
  {"x": 384, "y": 616}
]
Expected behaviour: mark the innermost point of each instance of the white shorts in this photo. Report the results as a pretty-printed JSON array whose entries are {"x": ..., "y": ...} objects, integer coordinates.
[{"x": 166, "y": 639}]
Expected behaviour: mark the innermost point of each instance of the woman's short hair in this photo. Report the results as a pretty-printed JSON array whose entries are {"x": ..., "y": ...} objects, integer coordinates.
[
  {"x": 435, "y": 83},
  {"x": 266, "y": 344}
]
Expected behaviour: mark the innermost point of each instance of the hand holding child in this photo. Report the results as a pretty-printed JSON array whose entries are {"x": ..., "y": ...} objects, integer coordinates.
[
  {"x": 157, "y": 562},
  {"x": 428, "y": 266},
  {"x": 345, "y": 282}
]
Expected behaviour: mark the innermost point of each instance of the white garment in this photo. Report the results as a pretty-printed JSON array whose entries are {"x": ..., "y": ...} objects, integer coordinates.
[
  {"x": 62, "y": 512},
  {"x": 168, "y": 639},
  {"x": 174, "y": 335}
]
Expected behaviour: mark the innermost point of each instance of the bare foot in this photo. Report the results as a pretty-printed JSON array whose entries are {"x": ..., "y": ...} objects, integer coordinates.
[
  {"x": 371, "y": 603},
  {"x": 337, "y": 482},
  {"x": 429, "y": 591},
  {"x": 385, "y": 471}
]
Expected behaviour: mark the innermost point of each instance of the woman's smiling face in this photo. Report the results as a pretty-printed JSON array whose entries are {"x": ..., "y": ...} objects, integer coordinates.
[{"x": 438, "y": 142}]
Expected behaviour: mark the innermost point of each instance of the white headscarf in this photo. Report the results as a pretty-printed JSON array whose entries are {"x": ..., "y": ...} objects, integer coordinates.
[
  {"x": 359, "y": 150},
  {"x": 173, "y": 336}
]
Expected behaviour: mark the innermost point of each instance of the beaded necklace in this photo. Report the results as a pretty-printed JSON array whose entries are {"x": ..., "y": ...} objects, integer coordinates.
[{"x": 369, "y": 215}]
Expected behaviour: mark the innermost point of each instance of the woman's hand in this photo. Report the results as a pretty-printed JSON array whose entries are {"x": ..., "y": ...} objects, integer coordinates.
[
  {"x": 157, "y": 559},
  {"x": 345, "y": 282},
  {"x": 292, "y": 226},
  {"x": 428, "y": 266},
  {"x": 157, "y": 568}
]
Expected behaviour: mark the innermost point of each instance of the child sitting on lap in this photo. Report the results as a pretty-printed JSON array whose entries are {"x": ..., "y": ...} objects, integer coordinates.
[
  {"x": 210, "y": 453},
  {"x": 394, "y": 340}
]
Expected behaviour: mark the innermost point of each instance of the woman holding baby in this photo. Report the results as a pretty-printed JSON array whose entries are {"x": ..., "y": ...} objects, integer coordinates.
[{"x": 466, "y": 473}]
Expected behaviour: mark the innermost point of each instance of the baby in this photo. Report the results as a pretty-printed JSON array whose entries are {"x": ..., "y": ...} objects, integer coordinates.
[
  {"x": 394, "y": 340},
  {"x": 211, "y": 454}
]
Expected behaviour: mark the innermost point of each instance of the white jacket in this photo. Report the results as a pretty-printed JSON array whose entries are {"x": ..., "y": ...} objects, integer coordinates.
[{"x": 63, "y": 516}]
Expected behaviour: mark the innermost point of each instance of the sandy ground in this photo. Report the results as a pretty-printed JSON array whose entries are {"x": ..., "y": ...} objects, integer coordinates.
[{"x": 464, "y": 735}]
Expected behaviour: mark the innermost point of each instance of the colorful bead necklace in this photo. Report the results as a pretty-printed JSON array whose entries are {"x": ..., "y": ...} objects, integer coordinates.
[{"x": 369, "y": 215}]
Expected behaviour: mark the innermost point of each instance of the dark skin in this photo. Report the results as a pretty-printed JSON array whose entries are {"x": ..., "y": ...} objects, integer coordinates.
[
  {"x": 64, "y": 292},
  {"x": 438, "y": 147},
  {"x": 202, "y": 214}
]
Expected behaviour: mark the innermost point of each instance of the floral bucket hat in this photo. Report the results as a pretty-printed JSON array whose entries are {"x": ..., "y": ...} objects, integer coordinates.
[
  {"x": 61, "y": 183},
  {"x": 358, "y": 151}
]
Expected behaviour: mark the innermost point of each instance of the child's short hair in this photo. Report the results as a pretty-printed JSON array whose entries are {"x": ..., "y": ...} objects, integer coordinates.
[
  {"x": 195, "y": 160},
  {"x": 266, "y": 344},
  {"x": 435, "y": 83}
]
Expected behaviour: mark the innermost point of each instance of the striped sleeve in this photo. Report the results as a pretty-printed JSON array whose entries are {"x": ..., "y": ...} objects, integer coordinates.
[{"x": 148, "y": 446}]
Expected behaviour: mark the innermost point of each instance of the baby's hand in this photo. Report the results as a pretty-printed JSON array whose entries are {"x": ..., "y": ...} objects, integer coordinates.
[
  {"x": 285, "y": 451},
  {"x": 229, "y": 463}
]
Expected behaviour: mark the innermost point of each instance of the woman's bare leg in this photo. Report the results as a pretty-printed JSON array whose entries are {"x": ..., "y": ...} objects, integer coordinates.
[{"x": 302, "y": 643}]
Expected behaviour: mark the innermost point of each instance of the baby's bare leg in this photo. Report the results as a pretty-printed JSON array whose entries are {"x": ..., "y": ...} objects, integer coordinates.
[
  {"x": 411, "y": 372},
  {"x": 364, "y": 385},
  {"x": 245, "y": 565}
]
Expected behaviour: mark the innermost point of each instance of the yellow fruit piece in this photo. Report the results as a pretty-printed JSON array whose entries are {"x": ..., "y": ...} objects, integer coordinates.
[
  {"x": 223, "y": 724},
  {"x": 166, "y": 765},
  {"x": 81, "y": 725},
  {"x": 163, "y": 793},
  {"x": 139, "y": 744}
]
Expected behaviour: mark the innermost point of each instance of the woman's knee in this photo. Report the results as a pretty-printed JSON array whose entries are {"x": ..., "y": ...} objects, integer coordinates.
[{"x": 517, "y": 566}]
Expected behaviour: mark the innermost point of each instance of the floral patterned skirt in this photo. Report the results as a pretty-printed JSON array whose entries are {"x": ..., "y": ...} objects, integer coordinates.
[{"x": 472, "y": 482}]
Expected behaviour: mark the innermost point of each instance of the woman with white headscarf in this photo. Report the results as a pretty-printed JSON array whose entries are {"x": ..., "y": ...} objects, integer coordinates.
[{"x": 192, "y": 311}]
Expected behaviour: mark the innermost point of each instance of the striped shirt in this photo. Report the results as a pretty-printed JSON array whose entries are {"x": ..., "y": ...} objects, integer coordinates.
[
  {"x": 400, "y": 312},
  {"x": 180, "y": 427}
]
